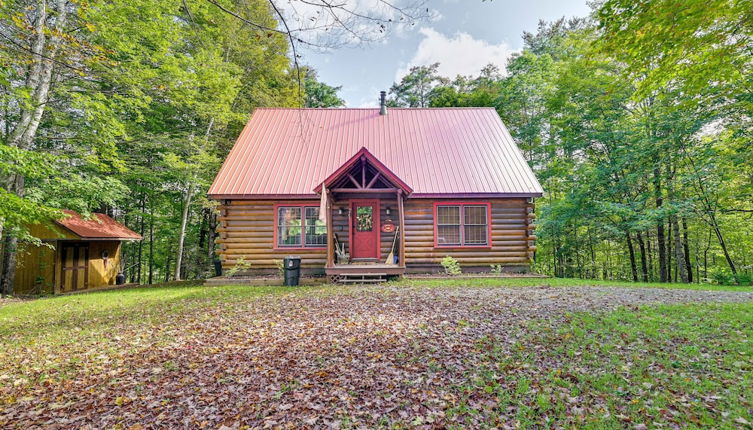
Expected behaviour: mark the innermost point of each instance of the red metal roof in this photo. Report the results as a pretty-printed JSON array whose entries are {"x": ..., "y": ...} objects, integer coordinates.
[
  {"x": 442, "y": 151},
  {"x": 100, "y": 227}
]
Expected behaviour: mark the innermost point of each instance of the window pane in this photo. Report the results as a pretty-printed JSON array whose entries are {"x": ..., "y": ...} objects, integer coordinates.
[
  {"x": 448, "y": 235},
  {"x": 448, "y": 215},
  {"x": 316, "y": 231},
  {"x": 475, "y": 225},
  {"x": 474, "y": 215},
  {"x": 475, "y": 235},
  {"x": 289, "y": 226},
  {"x": 364, "y": 218}
]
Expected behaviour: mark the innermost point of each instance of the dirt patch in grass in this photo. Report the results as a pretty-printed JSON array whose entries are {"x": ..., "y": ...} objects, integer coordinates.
[
  {"x": 376, "y": 356},
  {"x": 4, "y": 301}
]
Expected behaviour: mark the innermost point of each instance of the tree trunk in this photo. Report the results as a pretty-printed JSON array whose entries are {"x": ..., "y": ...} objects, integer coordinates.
[
  {"x": 631, "y": 251},
  {"x": 151, "y": 241},
  {"x": 181, "y": 237},
  {"x": 38, "y": 82},
  {"x": 706, "y": 257},
  {"x": 167, "y": 268},
  {"x": 650, "y": 250},
  {"x": 682, "y": 268},
  {"x": 594, "y": 268},
  {"x": 142, "y": 228},
  {"x": 660, "y": 227},
  {"x": 668, "y": 263},
  {"x": 686, "y": 250},
  {"x": 723, "y": 245},
  {"x": 10, "y": 248},
  {"x": 644, "y": 263}
]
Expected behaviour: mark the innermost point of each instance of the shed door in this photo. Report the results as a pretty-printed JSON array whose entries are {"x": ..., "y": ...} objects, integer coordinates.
[
  {"x": 364, "y": 216},
  {"x": 75, "y": 266}
]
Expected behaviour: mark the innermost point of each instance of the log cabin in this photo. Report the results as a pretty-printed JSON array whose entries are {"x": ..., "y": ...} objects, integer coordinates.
[
  {"x": 76, "y": 254},
  {"x": 375, "y": 191}
]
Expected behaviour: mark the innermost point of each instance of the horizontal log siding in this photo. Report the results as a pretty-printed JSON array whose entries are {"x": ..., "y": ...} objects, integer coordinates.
[
  {"x": 510, "y": 235},
  {"x": 247, "y": 230},
  {"x": 386, "y": 238}
]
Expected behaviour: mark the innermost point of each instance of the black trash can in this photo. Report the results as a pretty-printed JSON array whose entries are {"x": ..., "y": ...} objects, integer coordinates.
[
  {"x": 217, "y": 267},
  {"x": 292, "y": 270}
]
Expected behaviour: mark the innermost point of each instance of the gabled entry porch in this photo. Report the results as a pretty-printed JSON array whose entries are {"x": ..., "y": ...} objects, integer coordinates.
[{"x": 365, "y": 220}]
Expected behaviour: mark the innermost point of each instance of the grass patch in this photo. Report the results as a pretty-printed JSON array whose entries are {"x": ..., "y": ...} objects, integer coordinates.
[
  {"x": 669, "y": 365},
  {"x": 556, "y": 282},
  {"x": 64, "y": 318}
]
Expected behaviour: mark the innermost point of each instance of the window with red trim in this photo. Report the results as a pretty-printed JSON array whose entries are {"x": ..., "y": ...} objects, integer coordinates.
[
  {"x": 300, "y": 226},
  {"x": 463, "y": 224}
]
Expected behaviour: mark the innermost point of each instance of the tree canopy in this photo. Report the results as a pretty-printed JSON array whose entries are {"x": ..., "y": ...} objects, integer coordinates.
[{"x": 637, "y": 123}]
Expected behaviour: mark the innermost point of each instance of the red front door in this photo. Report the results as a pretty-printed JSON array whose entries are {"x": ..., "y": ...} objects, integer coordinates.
[{"x": 364, "y": 218}]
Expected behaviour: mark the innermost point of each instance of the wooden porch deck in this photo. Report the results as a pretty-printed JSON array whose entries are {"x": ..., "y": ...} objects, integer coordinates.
[{"x": 376, "y": 268}]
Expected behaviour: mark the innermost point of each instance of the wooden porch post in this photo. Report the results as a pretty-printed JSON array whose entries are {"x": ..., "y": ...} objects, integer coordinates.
[
  {"x": 401, "y": 232},
  {"x": 330, "y": 233}
]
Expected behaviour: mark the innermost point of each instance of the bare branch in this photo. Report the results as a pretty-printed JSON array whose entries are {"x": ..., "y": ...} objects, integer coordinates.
[{"x": 295, "y": 52}]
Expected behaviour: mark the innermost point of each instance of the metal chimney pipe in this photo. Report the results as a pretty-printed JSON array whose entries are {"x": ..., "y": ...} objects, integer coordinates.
[{"x": 383, "y": 103}]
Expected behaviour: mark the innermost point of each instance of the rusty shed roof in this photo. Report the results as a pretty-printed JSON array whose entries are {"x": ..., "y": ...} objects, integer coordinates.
[
  {"x": 100, "y": 226},
  {"x": 436, "y": 151}
]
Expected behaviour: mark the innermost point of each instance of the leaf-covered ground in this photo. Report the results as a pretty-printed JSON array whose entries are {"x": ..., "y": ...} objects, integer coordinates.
[{"x": 391, "y": 356}]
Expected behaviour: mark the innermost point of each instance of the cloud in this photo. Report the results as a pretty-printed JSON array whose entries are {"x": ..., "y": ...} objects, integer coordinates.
[
  {"x": 325, "y": 24},
  {"x": 459, "y": 54}
]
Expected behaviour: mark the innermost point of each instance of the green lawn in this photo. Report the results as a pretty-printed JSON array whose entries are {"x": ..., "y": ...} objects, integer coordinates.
[
  {"x": 77, "y": 316},
  {"x": 685, "y": 365},
  {"x": 469, "y": 352},
  {"x": 561, "y": 282}
]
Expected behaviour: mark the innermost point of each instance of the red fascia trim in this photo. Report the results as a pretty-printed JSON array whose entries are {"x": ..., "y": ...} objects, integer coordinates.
[
  {"x": 377, "y": 208},
  {"x": 472, "y": 195},
  {"x": 412, "y": 196},
  {"x": 263, "y": 196},
  {"x": 301, "y": 205},
  {"x": 369, "y": 156},
  {"x": 462, "y": 224}
]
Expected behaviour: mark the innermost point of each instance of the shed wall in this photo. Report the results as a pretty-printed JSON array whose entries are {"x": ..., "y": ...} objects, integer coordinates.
[{"x": 39, "y": 269}]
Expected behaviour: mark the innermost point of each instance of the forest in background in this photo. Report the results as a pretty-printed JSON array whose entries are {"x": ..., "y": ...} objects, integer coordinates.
[
  {"x": 637, "y": 121},
  {"x": 129, "y": 108}
]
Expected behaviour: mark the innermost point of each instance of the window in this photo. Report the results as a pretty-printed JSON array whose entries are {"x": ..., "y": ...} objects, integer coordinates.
[
  {"x": 462, "y": 224},
  {"x": 364, "y": 218},
  {"x": 299, "y": 226}
]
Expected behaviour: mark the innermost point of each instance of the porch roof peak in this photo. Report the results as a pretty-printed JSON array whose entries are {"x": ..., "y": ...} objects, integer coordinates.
[{"x": 364, "y": 155}]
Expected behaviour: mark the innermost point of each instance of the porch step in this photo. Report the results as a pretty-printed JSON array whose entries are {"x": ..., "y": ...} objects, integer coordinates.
[{"x": 360, "y": 278}]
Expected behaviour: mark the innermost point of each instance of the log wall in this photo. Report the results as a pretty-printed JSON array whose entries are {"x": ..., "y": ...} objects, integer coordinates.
[
  {"x": 511, "y": 235},
  {"x": 247, "y": 230}
]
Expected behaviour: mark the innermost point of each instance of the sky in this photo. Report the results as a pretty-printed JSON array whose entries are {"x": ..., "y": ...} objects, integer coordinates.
[{"x": 463, "y": 36}]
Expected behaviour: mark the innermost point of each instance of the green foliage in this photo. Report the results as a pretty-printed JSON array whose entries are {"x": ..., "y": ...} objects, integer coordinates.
[
  {"x": 451, "y": 266},
  {"x": 318, "y": 94},
  {"x": 280, "y": 264},
  {"x": 417, "y": 88},
  {"x": 148, "y": 98},
  {"x": 633, "y": 152},
  {"x": 496, "y": 269},
  {"x": 240, "y": 265}
]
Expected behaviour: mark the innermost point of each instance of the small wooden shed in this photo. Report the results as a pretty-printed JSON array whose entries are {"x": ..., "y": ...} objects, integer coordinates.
[{"x": 77, "y": 254}]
